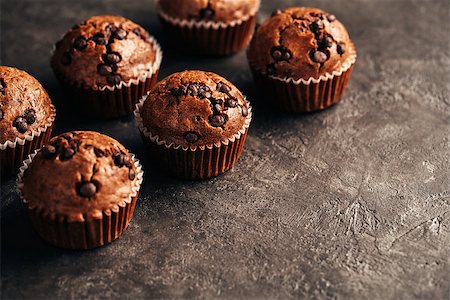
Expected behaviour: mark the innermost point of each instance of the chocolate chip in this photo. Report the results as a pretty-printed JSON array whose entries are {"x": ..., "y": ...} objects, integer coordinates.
[
  {"x": 99, "y": 39},
  {"x": 193, "y": 88},
  {"x": 131, "y": 174},
  {"x": 340, "y": 48},
  {"x": 223, "y": 88},
  {"x": 20, "y": 124},
  {"x": 191, "y": 137},
  {"x": 200, "y": 90},
  {"x": 217, "y": 107},
  {"x": 104, "y": 69},
  {"x": 116, "y": 32},
  {"x": 66, "y": 153},
  {"x": 114, "y": 67},
  {"x": 87, "y": 189},
  {"x": 137, "y": 32},
  {"x": 231, "y": 103},
  {"x": 57, "y": 143},
  {"x": 67, "y": 135},
  {"x": 125, "y": 160},
  {"x": 244, "y": 111},
  {"x": 286, "y": 55},
  {"x": 112, "y": 58},
  {"x": 30, "y": 116},
  {"x": 277, "y": 55},
  {"x": 281, "y": 53},
  {"x": 270, "y": 69},
  {"x": 316, "y": 25},
  {"x": 331, "y": 18},
  {"x": 179, "y": 91},
  {"x": 80, "y": 43},
  {"x": 98, "y": 152},
  {"x": 198, "y": 118},
  {"x": 276, "y": 12},
  {"x": 207, "y": 13},
  {"x": 66, "y": 59},
  {"x": 2, "y": 86},
  {"x": 327, "y": 42},
  {"x": 121, "y": 160},
  {"x": 114, "y": 79},
  {"x": 183, "y": 90},
  {"x": 48, "y": 151},
  {"x": 1, "y": 114},
  {"x": 205, "y": 94},
  {"x": 111, "y": 28},
  {"x": 119, "y": 34},
  {"x": 217, "y": 120},
  {"x": 75, "y": 145},
  {"x": 319, "y": 56},
  {"x": 128, "y": 163},
  {"x": 116, "y": 151}
]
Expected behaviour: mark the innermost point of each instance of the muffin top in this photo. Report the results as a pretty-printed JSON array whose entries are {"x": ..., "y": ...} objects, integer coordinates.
[
  {"x": 213, "y": 10},
  {"x": 104, "y": 51},
  {"x": 24, "y": 104},
  {"x": 300, "y": 43},
  {"x": 79, "y": 172},
  {"x": 194, "y": 108}
]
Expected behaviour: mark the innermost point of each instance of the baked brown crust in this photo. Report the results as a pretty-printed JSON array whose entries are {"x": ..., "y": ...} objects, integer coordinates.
[
  {"x": 300, "y": 43},
  {"x": 79, "y": 174},
  {"x": 24, "y": 104},
  {"x": 103, "y": 51},
  {"x": 194, "y": 108},
  {"x": 213, "y": 10}
]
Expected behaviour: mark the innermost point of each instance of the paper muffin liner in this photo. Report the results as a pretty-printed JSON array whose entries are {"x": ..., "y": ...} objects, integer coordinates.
[
  {"x": 95, "y": 230},
  {"x": 211, "y": 38},
  {"x": 13, "y": 153},
  {"x": 308, "y": 95},
  {"x": 108, "y": 102},
  {"x": 194, "y": 162}
]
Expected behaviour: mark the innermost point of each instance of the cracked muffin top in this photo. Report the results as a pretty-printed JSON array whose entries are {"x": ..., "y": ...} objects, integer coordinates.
[
  {"x": 300, "y": 43},
  {"x": 102, "y": 51},
  {"x": 209, "y": 10},
  {"x": 93, "y": 172},
  {"x": 194, "y": 108},
  {"x": 24, "y": 104}
]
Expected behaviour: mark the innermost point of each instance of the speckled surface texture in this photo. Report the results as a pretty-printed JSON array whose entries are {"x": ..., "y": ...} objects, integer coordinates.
[{"x": 352, "y": 202}]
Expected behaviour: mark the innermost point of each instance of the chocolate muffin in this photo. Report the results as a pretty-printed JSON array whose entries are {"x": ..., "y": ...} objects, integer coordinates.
[
  {"x": 194, "y": 123},
  {"x": 80, "y": 190},
  {"x": 304, "y": 56},
  {"x": 109, "y": 63},
  {"x": 215, "y": 27},
  {"x": 26, "y": 117}
]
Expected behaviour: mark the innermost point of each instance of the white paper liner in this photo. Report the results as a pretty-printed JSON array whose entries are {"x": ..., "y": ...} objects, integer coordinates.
[
  {"x": 141, "y": 78},
  {"x": 134, "y": 189},
  {"x": 327, "y": 76},
  {"x": 206, "y": 24},
  {"x": 29, "y": 137},
  {"x": 156, "y": 139}
]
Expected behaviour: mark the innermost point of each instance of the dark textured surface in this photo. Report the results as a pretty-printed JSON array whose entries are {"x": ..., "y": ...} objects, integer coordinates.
[{"x": 352, "y": 202}]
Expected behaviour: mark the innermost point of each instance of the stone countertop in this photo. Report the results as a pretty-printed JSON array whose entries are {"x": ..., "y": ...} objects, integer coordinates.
[{"x": 351, "y": 202}]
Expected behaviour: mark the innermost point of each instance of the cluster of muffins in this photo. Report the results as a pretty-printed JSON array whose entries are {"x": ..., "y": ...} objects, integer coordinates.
[{"x": 193, "y": 123}]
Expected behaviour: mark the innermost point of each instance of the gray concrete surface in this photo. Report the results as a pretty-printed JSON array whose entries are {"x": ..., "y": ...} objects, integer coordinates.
[{"x": 352, "y": 202}]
